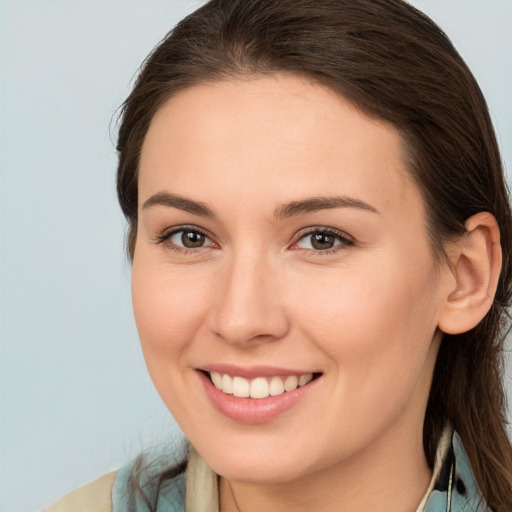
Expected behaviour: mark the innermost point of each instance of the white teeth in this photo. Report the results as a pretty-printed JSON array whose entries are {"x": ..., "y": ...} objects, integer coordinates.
[
  {"x": 260, "y": 387},
  {"x": 276, "y": 386},
  {"x": 227, "y": 384},
  {"x": 291, "y": 383},
  {"x": 216, "y": 379},
  {"x": 304, "y": 379},
  {"x": 240, "y": 387}
]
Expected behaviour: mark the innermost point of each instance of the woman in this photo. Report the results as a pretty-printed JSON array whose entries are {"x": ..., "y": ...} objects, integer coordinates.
[{"x": 320, "y": 236}]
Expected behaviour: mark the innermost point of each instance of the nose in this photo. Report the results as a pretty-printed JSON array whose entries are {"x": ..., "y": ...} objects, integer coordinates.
[{"x": 249, "y": 306}]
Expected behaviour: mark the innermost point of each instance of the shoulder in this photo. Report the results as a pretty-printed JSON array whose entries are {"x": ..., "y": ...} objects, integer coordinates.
[{"x": 93, "y": 497}]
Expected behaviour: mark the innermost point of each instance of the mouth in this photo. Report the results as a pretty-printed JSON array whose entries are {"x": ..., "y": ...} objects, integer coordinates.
[
  {"x": 256, "y": 395},
  {"x": 259, "y": 387}
]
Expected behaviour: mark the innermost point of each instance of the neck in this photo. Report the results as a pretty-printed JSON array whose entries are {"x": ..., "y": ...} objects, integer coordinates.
[{"x": 390, "y": 475}]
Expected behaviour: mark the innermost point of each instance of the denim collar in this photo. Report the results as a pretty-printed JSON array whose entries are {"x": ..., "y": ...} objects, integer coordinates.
[{"x": 453, "y": 487}]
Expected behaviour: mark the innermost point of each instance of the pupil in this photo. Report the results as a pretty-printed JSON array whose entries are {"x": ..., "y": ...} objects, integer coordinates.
[
  {"x": 192, "y": 239},
  {"x": 322, "y": 241}
]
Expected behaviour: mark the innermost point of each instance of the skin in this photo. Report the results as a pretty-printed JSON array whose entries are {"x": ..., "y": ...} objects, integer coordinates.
[{"x": 365, "y": 313}]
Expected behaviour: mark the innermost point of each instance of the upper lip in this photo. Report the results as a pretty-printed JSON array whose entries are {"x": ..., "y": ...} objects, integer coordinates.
[{"x": 251, "y": 372}]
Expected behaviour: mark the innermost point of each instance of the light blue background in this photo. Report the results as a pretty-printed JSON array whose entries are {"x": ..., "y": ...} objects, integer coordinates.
[{"x": 75, "y": 398}]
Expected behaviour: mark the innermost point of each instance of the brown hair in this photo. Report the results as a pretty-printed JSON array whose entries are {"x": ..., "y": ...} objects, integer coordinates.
[{"x": 394, "y": 63}]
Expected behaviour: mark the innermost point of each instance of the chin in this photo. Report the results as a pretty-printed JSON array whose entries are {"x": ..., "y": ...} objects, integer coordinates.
[
  {"x": 261, "y": 474},
  {"x": 258, "y": 466}
]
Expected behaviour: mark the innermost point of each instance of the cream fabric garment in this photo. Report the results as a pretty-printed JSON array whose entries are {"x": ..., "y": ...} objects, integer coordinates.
[
  {"x": 202, "y": 486},
  {"x": 93, "y": 497}
]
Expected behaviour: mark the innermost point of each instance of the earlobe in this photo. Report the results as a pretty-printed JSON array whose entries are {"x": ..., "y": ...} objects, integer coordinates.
[{"x": 475, "y": 265}]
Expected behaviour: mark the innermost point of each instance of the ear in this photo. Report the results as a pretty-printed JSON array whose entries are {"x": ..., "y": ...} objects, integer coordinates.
[{"x": 475, "y": 267}]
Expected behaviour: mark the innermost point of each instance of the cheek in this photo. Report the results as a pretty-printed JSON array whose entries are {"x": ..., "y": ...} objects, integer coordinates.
[
  {"x": 168, "y": 308},
  {"x": 375, "y": 320}
]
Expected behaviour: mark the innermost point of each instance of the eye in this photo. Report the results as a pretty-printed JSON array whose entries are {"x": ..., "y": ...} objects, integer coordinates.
[
  {"x": 186, "y": 238},
  {"x": 323, "y": 240}
]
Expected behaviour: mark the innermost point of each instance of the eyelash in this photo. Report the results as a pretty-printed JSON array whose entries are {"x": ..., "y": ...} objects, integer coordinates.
[{"x": 345, "y": 240}]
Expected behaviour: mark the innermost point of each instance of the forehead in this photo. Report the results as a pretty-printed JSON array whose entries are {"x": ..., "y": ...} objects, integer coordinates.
[{"x": 272, "y": 138}]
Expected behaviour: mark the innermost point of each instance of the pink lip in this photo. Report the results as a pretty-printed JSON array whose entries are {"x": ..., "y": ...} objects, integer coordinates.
[{"x": 251, "y": 410}]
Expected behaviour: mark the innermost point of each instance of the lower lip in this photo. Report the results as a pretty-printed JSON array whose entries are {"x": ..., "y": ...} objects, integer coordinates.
[{"x": 254, "y": 410}]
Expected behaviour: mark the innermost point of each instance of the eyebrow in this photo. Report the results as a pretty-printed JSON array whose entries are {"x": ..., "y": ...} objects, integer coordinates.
[
  {"x": 179, "y": 202},
  {"x": 315, "y": 204},
  {"x": 284, "y": 211}
]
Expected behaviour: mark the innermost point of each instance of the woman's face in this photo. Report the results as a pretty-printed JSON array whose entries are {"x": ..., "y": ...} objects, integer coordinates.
[{"x": 281, "y": 239}]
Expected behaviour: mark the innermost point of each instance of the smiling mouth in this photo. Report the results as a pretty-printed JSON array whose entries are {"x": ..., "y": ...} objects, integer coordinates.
[{"x": 259, "y": 387}]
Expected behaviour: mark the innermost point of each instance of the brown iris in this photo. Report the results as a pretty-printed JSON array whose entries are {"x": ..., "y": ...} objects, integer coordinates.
[
  {"x": 322, "y": 241},
  {"x": 192, "y": 239}
]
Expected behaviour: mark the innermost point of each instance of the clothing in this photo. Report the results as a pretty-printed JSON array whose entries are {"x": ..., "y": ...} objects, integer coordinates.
[
  {"x": 452, "y": 489},
  {"x": 93, "y": 497}
]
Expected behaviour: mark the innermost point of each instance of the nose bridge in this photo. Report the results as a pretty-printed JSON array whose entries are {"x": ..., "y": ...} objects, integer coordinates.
[{"x": 248, "y": 305}]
